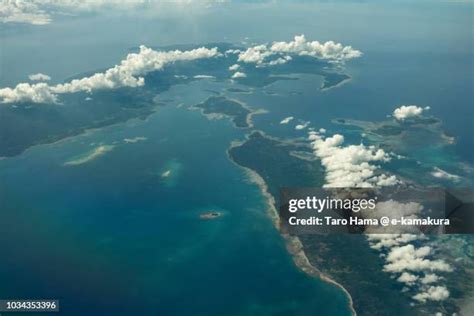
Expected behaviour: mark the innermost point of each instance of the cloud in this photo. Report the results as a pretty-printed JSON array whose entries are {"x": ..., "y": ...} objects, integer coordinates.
[
  {"x": 287, "y": 120},
  {"x": 430, "y": 278},
  {"x": 407, "y": 278},
  {"x": 412, "y": 265},
  {"x": 232, "y": 51},
  {"x": 39, "y": 77},
  {"x": 134, "y": 139},
  {"x": 280, "y": 61},
  {"x": 282, "y": 52},
  {"x": 23, "y": 12},
  {"x": 409, "y": 262},
  {"x": 204, "y": 77},
  {"x": 408, "y": 111},
  {"x": 380, "y": 241},
  {"x": 383, "y": 180},
  {"x": 238, "y": 74},
  {"x": 181, "y": 76},
  {"x": 328, "y": 50},
  {"x": 409, "y": 258},
  {"x": 440, "y": 173},
  {"x": 394, "y": 210},
  {"x": 234, "y": 67},
  {"x": 255, "y": 54},
  {"x": 350, "y": 166},
  {"x": 432, "y": 293},
  {"x": 129, "y": 73},
  {"x": 398, "y": 209},
  {"x": 25, "y": 92},
  {"x": 353, "y": 166},
  {"x": 41, "y": 12},
  {"x": 302, "y": 126}
]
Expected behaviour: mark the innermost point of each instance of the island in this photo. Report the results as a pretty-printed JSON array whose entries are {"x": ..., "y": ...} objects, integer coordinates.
[
  {"x": 272, "y": 164},
  {"x": 210, "y": 215},
  {"x": 219, "y": 106}
]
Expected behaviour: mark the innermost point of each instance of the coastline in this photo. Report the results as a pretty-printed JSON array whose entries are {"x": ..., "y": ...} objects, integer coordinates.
[
  {"x": 293, "y": 243},
  {"x": 343, "y": 82},
  {"x": 219, "y": 116},
  {"x": 81, "y": 132}
]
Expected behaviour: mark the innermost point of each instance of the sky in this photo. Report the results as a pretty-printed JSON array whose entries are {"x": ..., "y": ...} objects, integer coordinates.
[{"x": 104, "y": 31}]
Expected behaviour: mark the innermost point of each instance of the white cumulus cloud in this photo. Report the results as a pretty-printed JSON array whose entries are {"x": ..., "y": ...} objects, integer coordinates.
[
  {"x": 409, "y": 258},
  {"x": 407, "y": 111},
  {"x": 414, "y": 266},
  {"x": 203, "y": 77},
  {"x": 25, "y": 92},
  {"x": 350, "y": 166},
  {"x": 255, "y": 54},
  {"x": 302, "y": 126},
  {"x": 407, "y": 278},
  {"x": 238, "y": 74},
  {"x": 129, "y": 73},
  {"x": 387, "y": 241},
  {"x": 286, "y": 120},
  {"x": 39, "y": 77},
  {"x": 394, "y": 210},
  {"x": 430, "y": 278},
  {"x": 328, "y": 50},
  {"x": 281, "y": 52},
  {"x": 234, "y": 67},
  {"x": 280, "y": 61},
  {"x": 432, "y": 293}
]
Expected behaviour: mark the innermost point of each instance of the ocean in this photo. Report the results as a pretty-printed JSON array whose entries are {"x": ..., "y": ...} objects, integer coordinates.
[{"x": 119, "y": 233}]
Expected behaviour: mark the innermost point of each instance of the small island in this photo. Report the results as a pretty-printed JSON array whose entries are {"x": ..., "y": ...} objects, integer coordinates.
[
  {"x": 221, "y": 106},
  {"x": 238, "y": 90},
  {"x": 210, "y": 215}
]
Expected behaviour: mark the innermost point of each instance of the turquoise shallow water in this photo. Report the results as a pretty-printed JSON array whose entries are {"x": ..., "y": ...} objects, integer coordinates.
[{"x": 120, "y": 234}]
